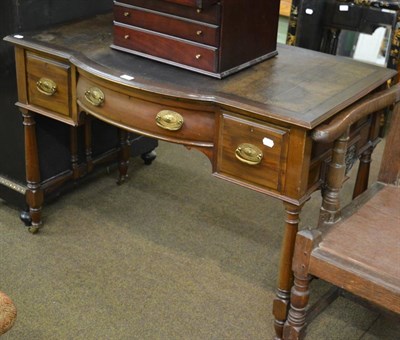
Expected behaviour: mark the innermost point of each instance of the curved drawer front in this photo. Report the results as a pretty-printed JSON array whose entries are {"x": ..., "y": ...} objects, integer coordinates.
[
  {"x": 163, "y": 121},
  {"x": 48, "y": 84},
  {"x": 252, "y": 152},
  {"x": 172, "y": 25}
]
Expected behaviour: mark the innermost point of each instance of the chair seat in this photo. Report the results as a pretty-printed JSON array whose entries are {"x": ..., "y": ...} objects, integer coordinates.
[{"x": 363, "y": 249}]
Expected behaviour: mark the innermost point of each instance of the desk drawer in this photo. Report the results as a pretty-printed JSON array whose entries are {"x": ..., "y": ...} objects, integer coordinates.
[
  {"x": 172, "y": 25},
  {"x": 155, "y": 45},
  {"x": 210, "y": 14},
  {"x": 156, "y": 118},
  {"x": 253, "y": 153},
  {"x": 48, "y": 84}
]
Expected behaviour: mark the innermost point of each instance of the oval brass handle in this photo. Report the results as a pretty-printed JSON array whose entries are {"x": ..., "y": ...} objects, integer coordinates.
[
  {"x": 95, "y": 96},
  {"x": 169, "y": 120},
  {"x": 46, "y": 86},
  {"x": 249, "y": 154}
]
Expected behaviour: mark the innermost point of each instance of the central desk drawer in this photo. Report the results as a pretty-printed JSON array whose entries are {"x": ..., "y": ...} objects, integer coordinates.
[
  {"x": 179, "y": 27},
  {"x": 252, "y": 153},
  {"x": 156, "y": 118}
]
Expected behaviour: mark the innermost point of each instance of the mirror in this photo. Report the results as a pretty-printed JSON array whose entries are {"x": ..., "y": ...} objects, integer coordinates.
[{"x": 371, "y": 48}]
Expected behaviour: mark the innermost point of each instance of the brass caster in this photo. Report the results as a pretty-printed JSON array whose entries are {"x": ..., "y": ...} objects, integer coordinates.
[
  {"x": 33, "y": 229},
  {"x": 121, "y": 180}
]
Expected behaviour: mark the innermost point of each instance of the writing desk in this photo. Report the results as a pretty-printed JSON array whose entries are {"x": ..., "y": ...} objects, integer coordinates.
[{"x": 254, "y": 126}]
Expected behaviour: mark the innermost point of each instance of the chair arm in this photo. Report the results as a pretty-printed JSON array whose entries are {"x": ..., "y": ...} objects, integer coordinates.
[{"x": 327, "y": 133}]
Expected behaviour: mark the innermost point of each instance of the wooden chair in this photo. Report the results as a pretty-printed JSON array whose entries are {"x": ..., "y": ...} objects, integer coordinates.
[{"x": 356, "y": 249}]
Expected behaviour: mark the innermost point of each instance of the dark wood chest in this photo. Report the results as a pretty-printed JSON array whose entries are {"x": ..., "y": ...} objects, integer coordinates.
[{"x": 212, "y": 37}]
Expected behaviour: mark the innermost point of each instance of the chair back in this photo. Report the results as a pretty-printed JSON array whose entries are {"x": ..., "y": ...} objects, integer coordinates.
[{"x": 390, "y": 165}]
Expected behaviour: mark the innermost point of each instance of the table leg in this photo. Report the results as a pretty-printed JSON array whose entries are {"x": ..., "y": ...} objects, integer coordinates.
[
  {"x": 34, "y": 192},
  {"x": 282, "y": 299},
  {"x": 123, "y": 157}
]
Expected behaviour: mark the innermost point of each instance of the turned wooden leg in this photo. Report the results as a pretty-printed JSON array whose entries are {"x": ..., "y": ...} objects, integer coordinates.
[
  {"x": 295, "y": 325},
  {"x": 363, "y": 172},
  {"x": 294, "y": 328},
  {"x": 88, "y": 144},
  {"x": 330, "y": 207},
  {"x": 34, "y": 192},
  {"x": 74, "y": 152},
  {"x": 123, "y": 157},
  {"x": 281, "y": 302}
]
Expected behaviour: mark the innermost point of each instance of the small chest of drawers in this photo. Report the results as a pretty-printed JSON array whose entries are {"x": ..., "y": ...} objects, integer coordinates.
[{"x": 212, "y": 37}]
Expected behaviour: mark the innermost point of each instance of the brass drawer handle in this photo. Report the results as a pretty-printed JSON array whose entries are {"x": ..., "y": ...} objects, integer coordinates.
[
  {"x": 169, "y": 120},
  {"x": 46, "y": 86},
  {"x": 95, "y": 96},
  {"x": 249, "y": 154}
]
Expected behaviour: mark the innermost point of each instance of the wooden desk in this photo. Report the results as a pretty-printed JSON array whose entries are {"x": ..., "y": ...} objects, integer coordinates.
[{"x": 254, "y": 126}]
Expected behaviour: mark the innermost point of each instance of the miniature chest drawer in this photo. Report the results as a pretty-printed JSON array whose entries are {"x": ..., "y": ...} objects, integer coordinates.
[
  {"x": 154, "y": 117},
  {"x": 164, "y": 23},
  {"x": 216, "y": 38},
  {"x": 208, "y": 14},
  {"x": 163, "y": 46},
  {"x": 194, "y": 3},
  {"x": 48, "y": 84},
  {"x": 252, "y": 152}
]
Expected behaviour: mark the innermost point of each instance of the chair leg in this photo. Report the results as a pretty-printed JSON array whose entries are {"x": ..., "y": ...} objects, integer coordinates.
[{"x": 295, "y": 325}]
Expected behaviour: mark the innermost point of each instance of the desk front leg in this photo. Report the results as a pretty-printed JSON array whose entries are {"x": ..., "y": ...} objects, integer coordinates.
[
  {"x": 282, "y": 299},
  {"x": 34, "y": 193}
]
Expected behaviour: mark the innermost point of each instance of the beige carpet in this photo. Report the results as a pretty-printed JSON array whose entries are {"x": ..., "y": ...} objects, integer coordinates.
[{"x": 174, "y": 253}]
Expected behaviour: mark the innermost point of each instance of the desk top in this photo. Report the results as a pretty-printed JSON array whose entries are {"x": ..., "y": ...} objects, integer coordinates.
[{"x": 298, "y": 86}]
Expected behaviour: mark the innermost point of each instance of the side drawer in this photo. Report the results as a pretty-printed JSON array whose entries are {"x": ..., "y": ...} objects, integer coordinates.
[
  {"x": 187, "y": 29},
  {"x": 166, "y": 47},
  {"x": 252, "y": 153},
  {"x": 48, "y": 84},
  {"x": 210, "y": 14},
  {"x": 158, "y": 118}
]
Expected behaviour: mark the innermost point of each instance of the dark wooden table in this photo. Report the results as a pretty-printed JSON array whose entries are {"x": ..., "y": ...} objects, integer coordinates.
[{"x": 254, "y": 126}]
